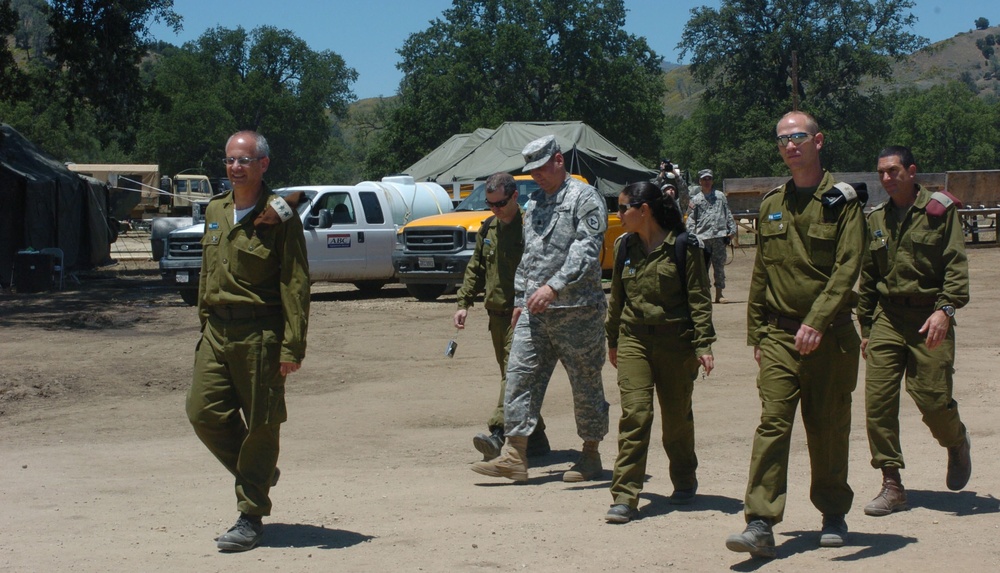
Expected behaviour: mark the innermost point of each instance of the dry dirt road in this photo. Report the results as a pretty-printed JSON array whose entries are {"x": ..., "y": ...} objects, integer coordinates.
[{"x": 101, "y": 472}]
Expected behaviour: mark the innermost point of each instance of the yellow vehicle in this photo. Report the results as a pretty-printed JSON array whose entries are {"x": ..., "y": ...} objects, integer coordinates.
[{"x": 432, "y": 252}]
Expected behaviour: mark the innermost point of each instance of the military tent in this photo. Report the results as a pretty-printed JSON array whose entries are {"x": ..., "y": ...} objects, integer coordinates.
[
  {"x": 43, "y": 204},
  {"x": 587, "y": 153},
  {"x": 447, "y": 154}
]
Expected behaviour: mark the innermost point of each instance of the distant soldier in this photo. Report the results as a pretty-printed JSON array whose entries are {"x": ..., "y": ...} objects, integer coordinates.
[
  {"x": 914, "y": 275},
  {"x": 670, "y": 174},
  {"x": 491, "y": 269},
  {"x": 711, "y": 220},
  {"x": 559, "y": 313}
]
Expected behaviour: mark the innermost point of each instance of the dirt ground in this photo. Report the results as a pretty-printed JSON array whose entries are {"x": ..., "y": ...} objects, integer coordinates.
[{"x": 101, "y": 472}]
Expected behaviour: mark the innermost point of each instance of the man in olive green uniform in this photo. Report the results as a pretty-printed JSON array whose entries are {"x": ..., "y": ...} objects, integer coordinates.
[
  {"x": 799, "y": 324},
  {"x": 914, "y": 275},
  {"x": 499, "y": 245},
  {"x": 253, "y": 303}
]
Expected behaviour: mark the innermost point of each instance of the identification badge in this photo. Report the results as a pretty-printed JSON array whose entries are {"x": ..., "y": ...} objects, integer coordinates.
[
  {"x": 878, "y": 233},
  {"x": 213, "y": 226},
  {"x": 774, "y": 217}
]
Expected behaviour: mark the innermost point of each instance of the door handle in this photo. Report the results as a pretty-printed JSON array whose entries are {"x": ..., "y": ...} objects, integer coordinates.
[{"x": 361, "y": 236}]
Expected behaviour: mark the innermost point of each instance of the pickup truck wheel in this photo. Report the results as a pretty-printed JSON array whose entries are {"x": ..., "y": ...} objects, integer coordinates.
[
  {"x": 190, "y": 296},
  {"x": 426, "y": 291},
  {"x": 370, "y": 287}
]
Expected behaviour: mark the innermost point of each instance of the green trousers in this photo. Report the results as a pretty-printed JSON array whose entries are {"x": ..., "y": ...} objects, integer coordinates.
[
  {"x": 666, "y": 365},
  {"x": 236, "y": 403},
  {"x": 822, "y": 382},
  {"x": 896, "y": 348}
]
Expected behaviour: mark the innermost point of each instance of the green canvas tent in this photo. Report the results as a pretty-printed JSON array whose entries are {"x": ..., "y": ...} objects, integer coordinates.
[{"x": 587, "y": 153}]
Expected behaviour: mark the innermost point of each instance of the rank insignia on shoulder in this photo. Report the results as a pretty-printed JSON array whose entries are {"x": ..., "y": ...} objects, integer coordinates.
[
  {"x": 774, "y": 216},
  {"x": 845, "y": 193},
  {"x": 213, "y": 226},
  {"x": 940, "y": 201}
]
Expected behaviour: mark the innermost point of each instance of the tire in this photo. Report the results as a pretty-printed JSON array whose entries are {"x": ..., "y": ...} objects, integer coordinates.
[
  {"x": 426, "y": 291},
  {"x": 370, "y": 287},
  {"x": 190, "y": 296}
]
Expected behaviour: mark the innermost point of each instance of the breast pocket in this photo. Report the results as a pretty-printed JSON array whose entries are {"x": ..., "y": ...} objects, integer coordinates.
[
  {"x": 879, "y": 251},
  {"x": 926, "y": 251},
  {"x": 669, "y": 279},
  {"x": 771, "y": 250},
  {"x": 822, "y": 244},
  {"x": 251, "y": 259}
]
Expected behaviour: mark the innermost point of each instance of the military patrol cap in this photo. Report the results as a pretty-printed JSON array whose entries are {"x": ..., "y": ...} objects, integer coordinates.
[
  {"x": 539, "y": 151},
  {"x": 705, "y": 173},
  {"x": 668, "y": 186}
]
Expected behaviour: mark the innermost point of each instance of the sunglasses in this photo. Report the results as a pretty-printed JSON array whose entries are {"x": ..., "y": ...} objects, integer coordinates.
[
  {"x": 244, "y": 161},
  {"x": 622, "y": 208},
  {"x": 498, "y": 204},
  {"x": 796, "y": 138}
]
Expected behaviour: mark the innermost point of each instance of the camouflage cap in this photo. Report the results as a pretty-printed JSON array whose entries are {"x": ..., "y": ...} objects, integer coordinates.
[
  {"x": 704, "y": 173},
  {"x": 539, "y": 151}
]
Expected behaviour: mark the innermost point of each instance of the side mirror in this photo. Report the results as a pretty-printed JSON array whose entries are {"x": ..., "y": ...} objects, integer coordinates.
[{"x": 325, "y": 219}]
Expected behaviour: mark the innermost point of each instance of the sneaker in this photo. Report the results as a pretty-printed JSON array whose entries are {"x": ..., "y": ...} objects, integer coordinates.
[
  {"x": 891, "y": 498},
  {"x": 586, "y": 468},
  {"x": 538, "y": 444},
  {"x": 757, "y": 539},
  {"x": 620, "y": 513},
  {"x": 959, "y": 464},
  {"x": 683, "y": 496},
  {"x": 243, "y": 536},
  {"x": 489, "y": 445},
  {"x": 834, "y": 532}
]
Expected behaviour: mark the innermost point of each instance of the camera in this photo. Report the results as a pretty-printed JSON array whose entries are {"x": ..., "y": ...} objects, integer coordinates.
[{"x": 666, "y": 165}]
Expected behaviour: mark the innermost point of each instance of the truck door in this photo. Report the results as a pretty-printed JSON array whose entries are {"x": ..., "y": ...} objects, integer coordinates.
[
  {"x": 335, "y": 252},
  {"x": 379, "y": 236}
]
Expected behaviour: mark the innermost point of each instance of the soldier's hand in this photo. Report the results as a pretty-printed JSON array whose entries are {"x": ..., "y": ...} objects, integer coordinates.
[
  {"x": 756, "y": 355},
  {"x": 288, "y": 367},
  {"x": 807, "y": 339},
  {"x": 707, "y": 362},
  {"x": 541, "y": 299},
  {"x": 613, "y": 356},
  {"x": 459, "y": 318},
  {"x": 515, "y": 316},
  {"x": 935, "y": 328},
  {"x": 864, "y": 347}
]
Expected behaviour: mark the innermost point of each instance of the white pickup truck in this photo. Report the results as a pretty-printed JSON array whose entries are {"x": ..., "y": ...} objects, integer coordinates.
[{"x": 350, "y": 232}]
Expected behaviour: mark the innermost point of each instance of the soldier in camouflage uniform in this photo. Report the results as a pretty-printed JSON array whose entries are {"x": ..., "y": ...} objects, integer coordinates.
[
  {"x": 709, "y": 217},
  {"x": 559, "y": 314},
  {"x": 253, "y": 302},
  {"x": 670, "y": 174},
  {"x": 804, "y": 340},
  {"x": 914, "y": 275},
  {"x": 499, "y": 244}
]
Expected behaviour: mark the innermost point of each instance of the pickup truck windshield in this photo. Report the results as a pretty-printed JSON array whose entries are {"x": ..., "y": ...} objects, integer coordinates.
[{"x": 476, "y": 201}]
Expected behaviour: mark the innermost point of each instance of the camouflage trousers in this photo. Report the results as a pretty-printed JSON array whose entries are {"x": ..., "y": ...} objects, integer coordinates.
[
  {"x": 717, "y": 247},
  {"x": 573, "y": 336}
]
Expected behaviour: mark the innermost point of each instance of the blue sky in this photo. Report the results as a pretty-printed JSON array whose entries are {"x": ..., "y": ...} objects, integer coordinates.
[{"x": 367, "y": 33}]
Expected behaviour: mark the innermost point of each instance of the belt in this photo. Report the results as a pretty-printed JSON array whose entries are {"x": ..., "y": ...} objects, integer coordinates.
[
  {"x": 912, "y": 301},
  {"x": 674, "y": 328},
  {"x": 791, "y": 325},
  {"x": 244, "y": 311},
  {"x": 500, "y": 313}
]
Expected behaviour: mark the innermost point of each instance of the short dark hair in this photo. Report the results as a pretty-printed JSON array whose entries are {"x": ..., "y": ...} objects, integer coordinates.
[
  {"x": 665, "y": 210},
  {"x": 903, "y": 153},
  {"x": 504, "y": 181}
]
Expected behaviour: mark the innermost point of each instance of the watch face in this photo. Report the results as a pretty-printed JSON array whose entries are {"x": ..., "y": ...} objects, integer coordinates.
[{"x": 949, "y": 310}]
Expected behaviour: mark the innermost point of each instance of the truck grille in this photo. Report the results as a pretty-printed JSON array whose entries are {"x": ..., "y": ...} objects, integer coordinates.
[
  {"x": 184, "y": 248},
  {"x": 431, "y": 240}
]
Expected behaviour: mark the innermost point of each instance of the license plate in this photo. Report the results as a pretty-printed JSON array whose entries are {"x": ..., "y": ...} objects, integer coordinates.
[
  {"x": 425, "y": 262},
  {"x": 182, "y": 277}
]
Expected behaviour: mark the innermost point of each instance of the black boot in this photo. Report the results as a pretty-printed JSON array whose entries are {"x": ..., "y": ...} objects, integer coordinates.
[
  {"x": 538, "y": 443},
  {"x": 489, "y": 445}
]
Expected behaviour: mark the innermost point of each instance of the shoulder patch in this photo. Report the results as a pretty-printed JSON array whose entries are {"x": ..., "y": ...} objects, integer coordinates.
[
  {"x": 940, "y": 202},
  {"x": 843, "y": 193}
]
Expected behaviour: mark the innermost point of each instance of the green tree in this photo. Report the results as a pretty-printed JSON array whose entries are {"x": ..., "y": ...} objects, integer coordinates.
[
  {"x": 743, "y": 52},
  {"x": 489, "y": 61},
  {"x": 982, "y": 23},
  {"x": 267, "y": 80},
  {"x": 11, "y": 78},
  {"x": 947, "y": 127},
  {"x": 97, "y": 45}
]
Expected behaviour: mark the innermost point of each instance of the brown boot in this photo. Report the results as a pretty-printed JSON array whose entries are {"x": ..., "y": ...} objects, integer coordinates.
[
  {"x": 512, "y": 464},
  {"x": 959, "y": 464},
  {"x": 719, "y": 298},
  {"x": 588, "y": 467},
  {"x": 891, "y": 498}
]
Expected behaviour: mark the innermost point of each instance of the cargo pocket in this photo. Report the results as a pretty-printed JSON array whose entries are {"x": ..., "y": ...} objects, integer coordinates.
[
  {"x": 822, "y": 244},
  {"x": 926, "y": 251},
  {"x": 263, "y": 362}
]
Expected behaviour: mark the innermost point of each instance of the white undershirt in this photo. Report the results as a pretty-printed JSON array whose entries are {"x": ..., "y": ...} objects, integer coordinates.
[{"x": 240, "y": 213}]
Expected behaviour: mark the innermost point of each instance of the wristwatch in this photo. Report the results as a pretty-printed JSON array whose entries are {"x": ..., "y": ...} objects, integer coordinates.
[{"x": 948, "y": 310}]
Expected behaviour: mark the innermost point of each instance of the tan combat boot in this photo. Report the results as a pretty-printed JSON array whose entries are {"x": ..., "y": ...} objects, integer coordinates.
[
  {"x": 588, "y": 467},
  {"x": 719, "y": 298},
  {"x": 512, "y": 464},
  {"x": 891, "y": 498}
]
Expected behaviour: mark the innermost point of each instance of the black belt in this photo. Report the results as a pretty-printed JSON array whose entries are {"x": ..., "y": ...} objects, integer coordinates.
[
  {"x": 675, "y": 328},
  {"x": 792, "y": 325},
  {"x": 500, "y": 313},
  {"x": 912, "y": 301},
  {"x": 244, "y": 311}
]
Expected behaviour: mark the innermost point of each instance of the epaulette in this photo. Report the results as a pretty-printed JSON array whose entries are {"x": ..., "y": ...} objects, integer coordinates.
[
  {"x": 484, "y": 227},
  {"x": 940, "y": 201},
  {"x": 279, "y": 209},
  {"x": 843, "y": 193},
  {"x": 772, "y": 192},
  {"x": 878, "y": 207}
]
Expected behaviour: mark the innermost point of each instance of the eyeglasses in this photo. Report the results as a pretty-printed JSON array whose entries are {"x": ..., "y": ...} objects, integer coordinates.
[
  {"x": 622, "y": 208},
  {"x": 498, "y": 204},
  {"x": 244, "y": 161},
  {"x": 796, "y": 138}
]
